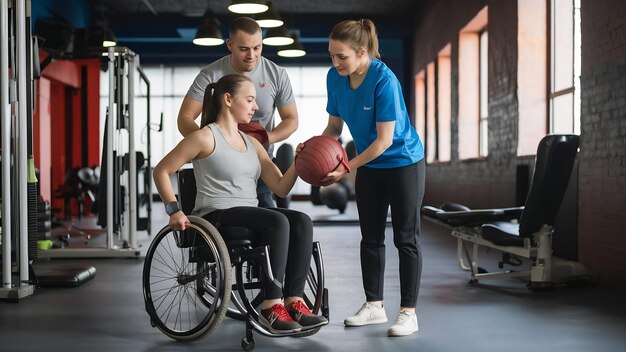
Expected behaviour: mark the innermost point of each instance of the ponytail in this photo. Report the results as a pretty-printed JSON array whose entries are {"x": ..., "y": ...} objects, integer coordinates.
[
  {"x": 359, "y": 34},
  {"x": 209, "y": 107},
  {"x": 212, "y": 102}
]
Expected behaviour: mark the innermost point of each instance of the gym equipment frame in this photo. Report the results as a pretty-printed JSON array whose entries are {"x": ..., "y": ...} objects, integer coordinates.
[
  {"x": 524, "y": 232},
  {"x": 15, "y": 25},
  {"x": 118, "y": 193}
]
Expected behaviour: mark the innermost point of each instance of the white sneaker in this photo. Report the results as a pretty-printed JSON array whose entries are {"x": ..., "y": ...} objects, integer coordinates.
[
  {"x": 405, "y": 324},
  {"x": 368, "y": 314}
]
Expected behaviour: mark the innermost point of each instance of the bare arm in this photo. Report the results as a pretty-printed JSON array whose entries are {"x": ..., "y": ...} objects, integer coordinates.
[
  {"x": 270, "y": 173},
  {"x": 383, "y": 140},
  {"x": 189, "y": 111},
  {"x": 287, "y": 126},
  {"x": 192, "y": 146},
  {"x": 334, "y": 127}
]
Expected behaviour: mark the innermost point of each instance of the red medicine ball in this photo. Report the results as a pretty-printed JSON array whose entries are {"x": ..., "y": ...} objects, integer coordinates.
[
  {"x": 319, "y": 156},
  {"x": 254, "y": 130}
]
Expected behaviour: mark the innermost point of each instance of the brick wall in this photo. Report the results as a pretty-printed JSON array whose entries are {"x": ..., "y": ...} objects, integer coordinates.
[
  {"x": 602, "y": 179},
  {"x": 476, "y": 183},
  {"x": 602, "y": 161}
]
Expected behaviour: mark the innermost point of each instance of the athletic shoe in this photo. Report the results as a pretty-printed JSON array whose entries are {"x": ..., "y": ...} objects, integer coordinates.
[
  {"x": 300, "y": 313},
  {"x": 277, "y": 320},
  {"x": 368, "y": 314},
  {"x": 406, "y": 324}
]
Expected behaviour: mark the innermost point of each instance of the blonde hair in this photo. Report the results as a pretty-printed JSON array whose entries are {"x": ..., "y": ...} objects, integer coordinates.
[{"x": 359, "y": 34}]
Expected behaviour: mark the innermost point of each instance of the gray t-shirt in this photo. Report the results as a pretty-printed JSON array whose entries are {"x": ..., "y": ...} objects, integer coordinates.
[{"x": 271, "y": 81}]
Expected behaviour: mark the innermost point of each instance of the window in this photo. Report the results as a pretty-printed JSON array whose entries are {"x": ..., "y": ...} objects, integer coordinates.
[
  {"x": 484, "y": 94},
  {"x": 444, "y": 80},
  {"x": 431, "y": 124},
  {"x": 420, "y": 105},
  {"x": 432, "y": 107},
  {"x": 565, "y": 66},
  {"x": 473, "y": 88},
  {"x": 532, "y": 75}
]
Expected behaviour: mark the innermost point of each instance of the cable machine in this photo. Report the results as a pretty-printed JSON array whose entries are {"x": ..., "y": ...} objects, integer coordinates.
[
  {"x": 16, "y": 75},
  {"x": 124, "y": 192}
]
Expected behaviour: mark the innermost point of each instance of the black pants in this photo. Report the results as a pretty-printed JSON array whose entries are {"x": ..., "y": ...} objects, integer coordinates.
[
  {"x": 403, "y": 189},
  {"x": 289, "y": 235}
]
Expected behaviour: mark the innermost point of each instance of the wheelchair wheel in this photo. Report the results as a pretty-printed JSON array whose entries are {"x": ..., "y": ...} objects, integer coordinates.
[
  {"x": 252, "y": 287},
  {"x": 314, "y": 292},
  {"x": 187, "y": 281}
]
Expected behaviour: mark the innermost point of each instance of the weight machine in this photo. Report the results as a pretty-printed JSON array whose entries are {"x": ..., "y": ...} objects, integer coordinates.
[
  {"x": 124, "y": 192},
  {"x": 18, "y": 180}
]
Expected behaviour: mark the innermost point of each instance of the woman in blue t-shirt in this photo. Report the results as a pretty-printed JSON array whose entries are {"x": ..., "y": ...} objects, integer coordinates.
[{"x": 365, "y": 94}]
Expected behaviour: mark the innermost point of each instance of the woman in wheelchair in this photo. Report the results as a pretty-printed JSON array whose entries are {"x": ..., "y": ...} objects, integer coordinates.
[{"x": 227, "y": 164}]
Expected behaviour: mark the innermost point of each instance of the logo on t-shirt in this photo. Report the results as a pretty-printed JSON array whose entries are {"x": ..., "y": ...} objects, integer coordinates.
[
  {"x": 367, "y": 108},
  {"x": 262, "y": 85}
]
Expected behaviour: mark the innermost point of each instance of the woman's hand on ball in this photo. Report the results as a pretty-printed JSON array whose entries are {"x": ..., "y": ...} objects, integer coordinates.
[
  {"x": 334, "y": 176},
  {"x": 299, "y": 148}
]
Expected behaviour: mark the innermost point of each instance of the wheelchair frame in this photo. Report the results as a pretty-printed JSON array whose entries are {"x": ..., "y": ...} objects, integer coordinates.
[{"x": 205, "y": 275}]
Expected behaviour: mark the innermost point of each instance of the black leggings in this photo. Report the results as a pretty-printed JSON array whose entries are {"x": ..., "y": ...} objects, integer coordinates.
[
  {"x": 376, "y": 190},
  {"x": 289, "y": 235}
]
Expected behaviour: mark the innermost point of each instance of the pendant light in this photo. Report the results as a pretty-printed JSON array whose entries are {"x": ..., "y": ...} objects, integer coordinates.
[
  {"x": 247, "y": 6},
  {"x": 294, "y": 49},
  {"x": 109, "y": 38},
  {"x": 269, "y": 18},
  {"x": 278, "y": 36},
  {"x": 208, "y": 33}
]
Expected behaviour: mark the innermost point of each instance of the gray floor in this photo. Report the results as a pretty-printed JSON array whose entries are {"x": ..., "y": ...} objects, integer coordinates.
[{"x": 107, "y": 313}]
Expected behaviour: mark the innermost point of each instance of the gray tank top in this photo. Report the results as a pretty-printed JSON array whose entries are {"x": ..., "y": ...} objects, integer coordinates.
[{"x": 226, "y": 178}]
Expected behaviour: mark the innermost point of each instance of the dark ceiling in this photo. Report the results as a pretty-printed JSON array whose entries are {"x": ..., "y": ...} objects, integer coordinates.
[
  {"x": 195, "y": 8},
  {"x": 161, "y": 31}
]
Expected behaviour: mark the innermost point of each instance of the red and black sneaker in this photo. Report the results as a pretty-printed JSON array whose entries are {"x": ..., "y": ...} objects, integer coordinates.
[
  {"x": 303, "y": 315},
  {"x": 277, "y": 320}
]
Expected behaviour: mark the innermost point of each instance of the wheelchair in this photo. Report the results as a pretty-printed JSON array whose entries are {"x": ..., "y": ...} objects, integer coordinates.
[{"x": 192, "y": 279}]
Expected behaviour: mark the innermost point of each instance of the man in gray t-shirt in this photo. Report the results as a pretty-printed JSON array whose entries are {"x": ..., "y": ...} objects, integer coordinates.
[{"x": 272, "y": 87}]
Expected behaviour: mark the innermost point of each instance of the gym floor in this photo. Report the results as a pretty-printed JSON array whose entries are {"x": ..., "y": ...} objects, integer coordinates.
[{"x": 107, "y": 313}]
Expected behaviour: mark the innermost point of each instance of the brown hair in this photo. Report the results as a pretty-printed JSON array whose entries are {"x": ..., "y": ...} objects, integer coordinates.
[
  {"x": 359, "y": 34},
  {"x": 212, "y": 102},
  {"x": 244, "y": 24}
]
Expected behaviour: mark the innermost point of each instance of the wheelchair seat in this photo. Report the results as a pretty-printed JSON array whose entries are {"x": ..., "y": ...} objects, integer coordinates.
[
  {"x": 520, "y": 231},
  {"x": 193, "y": 278}
]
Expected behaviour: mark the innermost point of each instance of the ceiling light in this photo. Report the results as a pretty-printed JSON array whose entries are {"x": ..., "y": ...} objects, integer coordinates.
[
  {"x": 294, "y": 49},
  {"x": 208, "y": 33},
  {"x": 247, "y": 6},
  {"x": 278, "y": 36},
  {"x": 109, "y": 38},
  {"x": 269, "y": 18}
]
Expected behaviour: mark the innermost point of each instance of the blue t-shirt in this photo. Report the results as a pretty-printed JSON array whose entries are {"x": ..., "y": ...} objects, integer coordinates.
[{"x": 377, "y": 99}]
